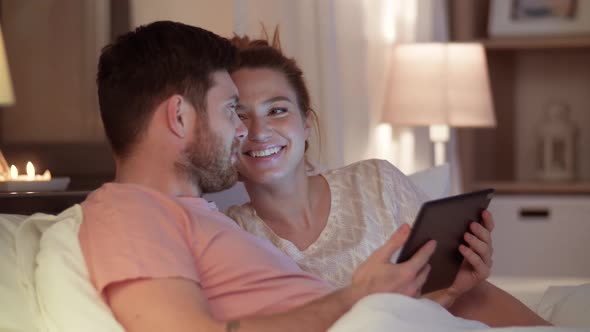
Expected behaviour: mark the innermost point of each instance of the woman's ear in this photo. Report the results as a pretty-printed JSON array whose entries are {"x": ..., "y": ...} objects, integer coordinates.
[
  {"x": 307, "y": 124},
  {"x": 177, "y": 115}
]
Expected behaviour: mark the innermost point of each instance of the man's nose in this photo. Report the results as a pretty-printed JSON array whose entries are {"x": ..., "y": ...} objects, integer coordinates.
[
  {"x": 241, "y": 129},
  {"x": 259, "y": 131}
]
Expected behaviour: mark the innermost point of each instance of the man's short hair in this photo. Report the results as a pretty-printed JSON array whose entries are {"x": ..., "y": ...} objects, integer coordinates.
[{"x": 145, "y": 66}]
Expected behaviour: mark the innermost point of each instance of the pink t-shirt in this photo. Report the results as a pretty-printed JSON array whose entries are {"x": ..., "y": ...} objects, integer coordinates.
[{"x": 132, "y": 232}]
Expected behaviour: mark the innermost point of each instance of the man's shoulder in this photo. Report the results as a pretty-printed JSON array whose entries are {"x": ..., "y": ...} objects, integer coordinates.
[
  {"x": 120, "y": 195},
  {"x": 115, "y": 202}
]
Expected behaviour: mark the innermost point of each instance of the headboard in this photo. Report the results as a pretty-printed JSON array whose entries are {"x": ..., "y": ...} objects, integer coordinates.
[{"x": 46, "y": 202}]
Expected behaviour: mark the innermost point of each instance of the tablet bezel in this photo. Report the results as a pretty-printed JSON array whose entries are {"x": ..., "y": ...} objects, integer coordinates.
[{"x": 459, "y": 211}]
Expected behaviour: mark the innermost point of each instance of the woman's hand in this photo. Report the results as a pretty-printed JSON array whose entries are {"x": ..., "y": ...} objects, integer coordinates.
[{"x": 477, "y": 264}]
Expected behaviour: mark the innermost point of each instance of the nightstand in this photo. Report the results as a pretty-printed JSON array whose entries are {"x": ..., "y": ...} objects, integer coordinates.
[
  {"x": 541, "y": 235},
  {"x": 47, "y": 202}
]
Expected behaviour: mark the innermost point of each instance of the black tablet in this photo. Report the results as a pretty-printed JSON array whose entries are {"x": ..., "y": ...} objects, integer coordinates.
[{"x": 445, "y": 220}]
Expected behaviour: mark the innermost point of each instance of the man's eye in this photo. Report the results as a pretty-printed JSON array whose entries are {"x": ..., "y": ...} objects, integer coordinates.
[{"x": 232, "y": 108}]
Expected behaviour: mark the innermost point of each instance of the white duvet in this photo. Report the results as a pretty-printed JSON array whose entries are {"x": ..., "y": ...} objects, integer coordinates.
[{"x": 391, "y": 312}]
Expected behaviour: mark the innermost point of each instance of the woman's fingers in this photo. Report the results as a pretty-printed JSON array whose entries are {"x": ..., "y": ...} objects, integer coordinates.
[
  {"x": 488, "y": 220},
  {"x": 481, "y": 232},
  {"x": 482, "y": 269},
  {"x": 480, "y": 247}
]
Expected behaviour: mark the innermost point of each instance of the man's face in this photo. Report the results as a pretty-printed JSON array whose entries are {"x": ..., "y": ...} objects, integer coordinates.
[{"x": 210, "y": 157}]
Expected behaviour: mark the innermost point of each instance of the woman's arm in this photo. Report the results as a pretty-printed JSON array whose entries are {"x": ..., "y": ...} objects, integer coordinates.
[{"x": 493, "y": 306}]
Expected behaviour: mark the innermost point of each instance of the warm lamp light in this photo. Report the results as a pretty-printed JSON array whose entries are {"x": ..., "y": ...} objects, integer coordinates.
[
  {"x": 6, "y": 97},
  {"x": 6, "y": 92},
  {"x": 439, "y": 85}
]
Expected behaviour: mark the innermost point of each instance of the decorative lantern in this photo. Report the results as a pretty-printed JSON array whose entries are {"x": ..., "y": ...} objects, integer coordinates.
[{"x": 557, "y": 143}]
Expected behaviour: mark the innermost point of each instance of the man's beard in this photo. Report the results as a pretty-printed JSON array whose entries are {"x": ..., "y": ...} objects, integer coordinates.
[{"x": 207, "y": 163}]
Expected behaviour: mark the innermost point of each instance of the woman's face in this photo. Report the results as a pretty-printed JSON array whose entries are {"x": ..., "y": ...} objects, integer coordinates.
[{"x": 275, "y": 145}]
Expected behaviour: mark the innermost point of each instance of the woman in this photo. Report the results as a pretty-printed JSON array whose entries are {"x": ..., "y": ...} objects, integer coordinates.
[{"x": 331, "y": 222}]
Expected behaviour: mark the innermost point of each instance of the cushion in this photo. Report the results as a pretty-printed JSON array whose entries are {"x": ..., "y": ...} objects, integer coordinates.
[
  {"x": 434, "y": 182},
  {"x": 566, "y": 305},
  {"x": 16, "y": 313},
  {"x": 235, "y": 195},
  {"x": 63, "y": 283}
]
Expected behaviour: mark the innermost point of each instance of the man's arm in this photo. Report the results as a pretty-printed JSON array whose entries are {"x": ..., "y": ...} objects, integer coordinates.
[{"x": 176, "y": 304}]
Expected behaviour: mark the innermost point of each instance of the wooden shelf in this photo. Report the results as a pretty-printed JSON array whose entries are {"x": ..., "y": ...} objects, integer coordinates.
[
  {"x": 509, "y": 187},
  {"x": 532, "y": 43}
]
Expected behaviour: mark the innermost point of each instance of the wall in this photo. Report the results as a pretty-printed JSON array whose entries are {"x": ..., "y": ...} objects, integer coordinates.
[
  {"x": 216, "y": 16},
  {"x": 53, "y": 48},
  {"x": 50, "y": 46}
]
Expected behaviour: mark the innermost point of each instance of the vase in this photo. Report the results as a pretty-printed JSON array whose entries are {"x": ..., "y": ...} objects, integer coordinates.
[{"x": 556, "y": 136}]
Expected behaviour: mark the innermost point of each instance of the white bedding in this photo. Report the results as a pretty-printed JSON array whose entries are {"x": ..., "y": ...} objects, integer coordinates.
[
  {"x": 390, "y": 312},
  {"x": 47, "y": 264},
  {"x": 531, "y": 290}
]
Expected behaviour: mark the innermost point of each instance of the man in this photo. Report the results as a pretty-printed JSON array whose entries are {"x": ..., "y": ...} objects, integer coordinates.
[{"x": 161, "y": 257}]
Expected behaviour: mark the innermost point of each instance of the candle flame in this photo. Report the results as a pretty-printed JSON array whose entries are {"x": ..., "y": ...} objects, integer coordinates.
[
  {"x": 13, "y": 172},
  {"x": 46, "y": 175},
  {"x": 30, "y": 171}
]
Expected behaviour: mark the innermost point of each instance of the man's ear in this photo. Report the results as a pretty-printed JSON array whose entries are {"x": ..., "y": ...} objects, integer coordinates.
[{"x": 177, "y": 115}]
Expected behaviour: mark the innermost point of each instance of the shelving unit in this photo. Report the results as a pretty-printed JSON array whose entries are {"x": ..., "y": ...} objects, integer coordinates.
[
  {"x": 532, "y": 187},
  {"x": 531, "y": 216},
  {"x": 536, "y": 43},
  {"x": 525, "y": 75}
]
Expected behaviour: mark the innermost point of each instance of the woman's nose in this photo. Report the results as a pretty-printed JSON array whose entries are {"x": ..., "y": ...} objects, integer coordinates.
[{"x": 259, "y": 131}]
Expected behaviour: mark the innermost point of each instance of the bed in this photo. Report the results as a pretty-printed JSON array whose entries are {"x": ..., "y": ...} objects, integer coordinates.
[{"x": 43, "y": 275}]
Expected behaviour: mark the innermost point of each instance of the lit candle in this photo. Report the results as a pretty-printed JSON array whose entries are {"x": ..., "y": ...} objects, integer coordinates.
[
  {"x": 30, "y": 171},
  {"x": 13, "y": 172},
  {"x": 30, "y": 176}
]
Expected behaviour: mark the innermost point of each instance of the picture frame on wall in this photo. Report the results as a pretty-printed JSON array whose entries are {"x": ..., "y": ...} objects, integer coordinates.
[{"x": 525, "y": 18}]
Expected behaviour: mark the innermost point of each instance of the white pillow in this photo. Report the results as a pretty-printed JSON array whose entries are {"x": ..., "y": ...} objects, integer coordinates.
[
  {"x": 16, "y": 312},
  {"x": 434, "y": 181},
  {"x": 67, "y": 299},
  {"x": 236, "y": 195},
  {"x": 566, "y": 306}
]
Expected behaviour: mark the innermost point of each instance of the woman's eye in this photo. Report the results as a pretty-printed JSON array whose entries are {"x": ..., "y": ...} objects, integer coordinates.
[
  {"x": 277, "y": 111},
  {"x": 241, "y": 116}
]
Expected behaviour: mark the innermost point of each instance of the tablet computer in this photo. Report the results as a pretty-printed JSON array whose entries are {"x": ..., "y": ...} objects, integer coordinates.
[{"x": 445, "y": 220}]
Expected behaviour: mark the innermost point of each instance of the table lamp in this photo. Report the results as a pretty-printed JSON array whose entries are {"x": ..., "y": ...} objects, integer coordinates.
[
  {"x": 439, "y": 85},
  {"x": 6, "y": 97}
]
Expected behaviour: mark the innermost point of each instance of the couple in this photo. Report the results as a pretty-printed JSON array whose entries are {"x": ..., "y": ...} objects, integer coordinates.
[{"x": 163, "y": 258}]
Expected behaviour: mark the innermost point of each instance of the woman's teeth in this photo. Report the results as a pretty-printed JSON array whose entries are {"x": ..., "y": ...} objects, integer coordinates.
[{"x": 264, "y": 153}]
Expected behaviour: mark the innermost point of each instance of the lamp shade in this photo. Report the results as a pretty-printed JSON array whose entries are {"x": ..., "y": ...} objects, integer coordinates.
[
  {"x": 6, "y": 92},
  {"x": 439, "y": 84}
]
